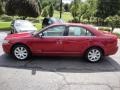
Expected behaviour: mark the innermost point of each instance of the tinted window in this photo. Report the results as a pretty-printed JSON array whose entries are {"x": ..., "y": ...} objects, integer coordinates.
[
  {"x": 55, "y": 31},
  {"x": 78, "y": 31}
]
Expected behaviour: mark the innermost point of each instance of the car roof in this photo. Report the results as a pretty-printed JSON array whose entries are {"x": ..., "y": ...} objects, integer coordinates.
[{"x": 72, "y": 24}]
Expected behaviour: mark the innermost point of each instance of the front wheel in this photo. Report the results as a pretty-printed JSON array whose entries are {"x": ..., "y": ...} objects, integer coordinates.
[
  {"x": 21, "y": 52},
  {"x": 94, "y": 55}
]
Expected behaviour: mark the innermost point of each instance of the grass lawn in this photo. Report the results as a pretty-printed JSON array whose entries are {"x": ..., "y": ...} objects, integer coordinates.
[{"x": 6, "y": 26}]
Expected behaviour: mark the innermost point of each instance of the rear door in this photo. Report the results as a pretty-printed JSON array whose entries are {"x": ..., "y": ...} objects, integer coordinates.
[{"x": 77, "y": 40}]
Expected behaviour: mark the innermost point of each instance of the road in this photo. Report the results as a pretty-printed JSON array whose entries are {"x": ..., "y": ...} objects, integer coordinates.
[{"x": 59, "y": 73}]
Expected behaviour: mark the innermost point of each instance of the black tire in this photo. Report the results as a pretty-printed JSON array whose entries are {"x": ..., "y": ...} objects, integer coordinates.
[
  {"x": 26, "y": 52},
  {"x": 96, "y": 56}
]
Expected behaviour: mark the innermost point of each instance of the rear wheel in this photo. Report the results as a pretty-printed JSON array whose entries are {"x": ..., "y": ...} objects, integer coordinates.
[
  {"x": 20, "y": 52},
  {"x": 94, "y": 55}
]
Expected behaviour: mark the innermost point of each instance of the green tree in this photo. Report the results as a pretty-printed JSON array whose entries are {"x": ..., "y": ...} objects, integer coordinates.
[
  {"x": 1, "y": 7},
  {"x": 51, "y": 10},
  {"x": 26, "y": 8},
  {"x": 106, "y": 8},
  {"x": 40, "y": 6},
  {"x": 83, "y": 8},
  {"x": 90, "y": 9},
  {"x": 75, "y": 8},
  {"x": 67, "y": 7},
  {"x": 45, "y": 11},
  {"x": 113, "y": 21},
  {"x": 44, "y": 4}
]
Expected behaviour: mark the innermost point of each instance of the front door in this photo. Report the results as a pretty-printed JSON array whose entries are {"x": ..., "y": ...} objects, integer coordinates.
[{"x": 49, "y": 43}]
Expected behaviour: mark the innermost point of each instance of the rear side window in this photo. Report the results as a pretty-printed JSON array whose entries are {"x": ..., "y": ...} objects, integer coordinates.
[{"x": 78, "y": 31}]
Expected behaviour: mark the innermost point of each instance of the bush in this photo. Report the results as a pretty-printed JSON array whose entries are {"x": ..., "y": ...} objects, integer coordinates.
[
  {"x": 6, "y": 18},
  {"x": 75, "y": 20},
  {"x": 113, "y": 21},
  {"x": 105, "y": 29},
  {"x": 33, "y": 20}
]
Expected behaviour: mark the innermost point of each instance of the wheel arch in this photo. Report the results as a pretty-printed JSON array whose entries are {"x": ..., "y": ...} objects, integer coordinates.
[
  {"x": 19, "y": 44},
  {"x": 99, "y": 47}
]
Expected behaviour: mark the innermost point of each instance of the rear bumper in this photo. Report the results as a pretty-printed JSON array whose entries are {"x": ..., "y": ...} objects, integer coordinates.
[{"x": 112, "y": 51}]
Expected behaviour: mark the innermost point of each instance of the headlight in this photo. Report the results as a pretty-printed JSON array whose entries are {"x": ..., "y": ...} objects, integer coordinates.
[{"x": 5, "y": 41}]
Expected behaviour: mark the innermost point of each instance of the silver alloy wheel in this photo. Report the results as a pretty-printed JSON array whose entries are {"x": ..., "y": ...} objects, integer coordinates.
[
  {"x": 94, "y": 55},
  {"x": 20, "y": 53}
]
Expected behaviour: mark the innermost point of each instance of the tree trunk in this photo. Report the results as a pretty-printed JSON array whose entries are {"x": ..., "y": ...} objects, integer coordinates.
[
  {"x": 112, "y": 29},
  {"x": 79, "y": 19},
  {"x": 97, "y": 22},
  {"x": 88, "y": 20}
]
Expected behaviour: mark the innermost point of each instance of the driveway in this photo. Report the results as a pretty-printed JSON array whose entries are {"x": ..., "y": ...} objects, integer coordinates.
[
  {"x": 3, "y": 35},
  {"x": 59, "y": 73}
]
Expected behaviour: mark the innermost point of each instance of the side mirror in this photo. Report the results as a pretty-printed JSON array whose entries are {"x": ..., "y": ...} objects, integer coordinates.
[{"x": 41, "y": 35}]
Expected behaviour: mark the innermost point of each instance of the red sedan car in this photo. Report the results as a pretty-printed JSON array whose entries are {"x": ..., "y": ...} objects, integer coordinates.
[{"x": 62, "y": 40}]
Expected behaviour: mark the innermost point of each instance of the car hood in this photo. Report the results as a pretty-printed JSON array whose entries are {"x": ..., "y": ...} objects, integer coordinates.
[{"x": 18, "y": 35}]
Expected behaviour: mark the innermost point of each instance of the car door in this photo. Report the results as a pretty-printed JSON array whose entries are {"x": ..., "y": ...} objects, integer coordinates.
[
  {"x": 77, "y": 40},
  {"x": 49, "y": 42}
]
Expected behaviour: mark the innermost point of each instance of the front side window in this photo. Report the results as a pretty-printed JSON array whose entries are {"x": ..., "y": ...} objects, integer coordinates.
[
  {"x": 78, "y": 31},
  {"x": 55, "y": 31}
]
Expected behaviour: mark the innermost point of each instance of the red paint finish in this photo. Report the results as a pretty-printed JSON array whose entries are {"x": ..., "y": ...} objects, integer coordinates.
[
  {"x": 45, "y": 45},
  {"x": 63, "y": 45}
]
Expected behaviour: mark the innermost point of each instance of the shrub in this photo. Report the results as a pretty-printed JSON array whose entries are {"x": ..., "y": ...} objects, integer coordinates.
[
  {"x": 33, "y": 20},
  {"x": 6, "y": 18},
  {"x": 105, "y": 29},
  {"x": 75, "y": 20},
  {"x": 113, "y": 21}
]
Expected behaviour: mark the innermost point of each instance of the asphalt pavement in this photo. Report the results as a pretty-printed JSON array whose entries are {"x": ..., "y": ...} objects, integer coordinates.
[{"x": 59, "y": 73}]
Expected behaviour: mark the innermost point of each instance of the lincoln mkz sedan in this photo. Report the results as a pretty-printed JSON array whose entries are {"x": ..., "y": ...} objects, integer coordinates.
[{"x": 62, "y": 40}]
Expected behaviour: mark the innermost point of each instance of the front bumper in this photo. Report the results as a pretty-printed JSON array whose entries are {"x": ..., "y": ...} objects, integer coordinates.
[{"x": 7, "y": 48}]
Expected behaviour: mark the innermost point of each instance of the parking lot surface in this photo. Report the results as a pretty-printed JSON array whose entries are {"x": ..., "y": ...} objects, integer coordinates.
[{"x": 59, "y": 73}]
